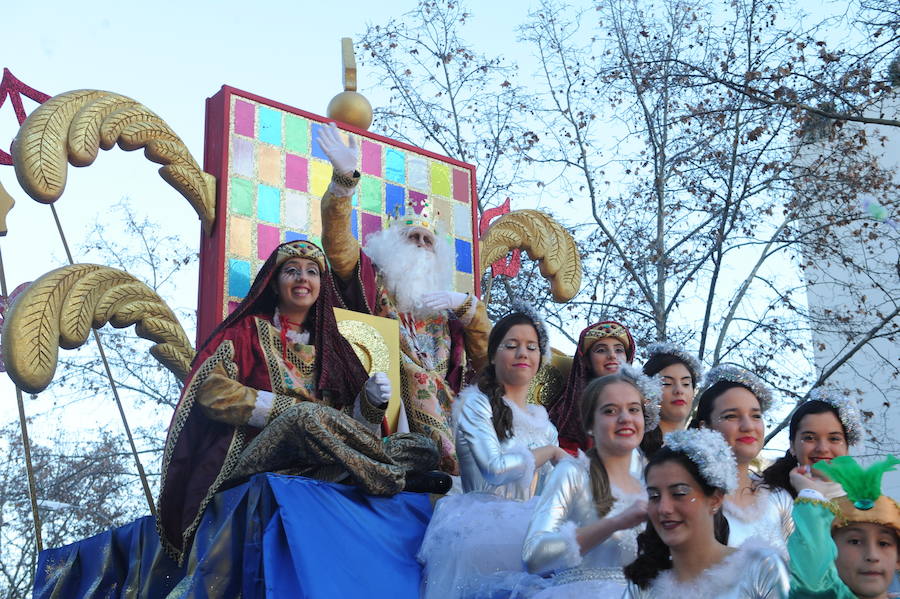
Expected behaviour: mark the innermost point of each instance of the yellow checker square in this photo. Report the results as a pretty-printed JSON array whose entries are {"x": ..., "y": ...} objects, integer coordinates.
[
  {"x": 376, "y": 341},
  {"x": 315, "y": 218},
  {"x": 239, "y": 236},
  {"x": 319, "y": 177}
]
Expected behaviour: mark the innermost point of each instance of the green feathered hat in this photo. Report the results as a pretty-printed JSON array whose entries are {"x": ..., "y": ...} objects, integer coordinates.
[{"x": 864, "y": 501}]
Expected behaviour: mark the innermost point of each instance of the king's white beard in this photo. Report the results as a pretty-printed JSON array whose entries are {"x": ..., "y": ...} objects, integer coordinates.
[{"x": 409, "y": 271}]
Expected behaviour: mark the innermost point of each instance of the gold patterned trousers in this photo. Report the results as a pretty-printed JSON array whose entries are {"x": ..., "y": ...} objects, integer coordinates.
[{"x": 320, "y": 442}]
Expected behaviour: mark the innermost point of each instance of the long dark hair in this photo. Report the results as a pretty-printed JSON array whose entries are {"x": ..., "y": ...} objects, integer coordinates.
[
  {"x": 487, "y": 379},
  {"x": 600, "y": 487},
  {"x": 653, "y": 440},
  {"x": 776, "y": 475},
  {"x": 654, "y": 556}
]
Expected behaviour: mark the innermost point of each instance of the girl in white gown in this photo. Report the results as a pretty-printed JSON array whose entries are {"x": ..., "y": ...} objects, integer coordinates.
[
  {"x": 683, "y": 552},
  {"x": 505, "y": 447},
  {"x": 732, "y": 403},
  {"x": 584, "y": 529}
]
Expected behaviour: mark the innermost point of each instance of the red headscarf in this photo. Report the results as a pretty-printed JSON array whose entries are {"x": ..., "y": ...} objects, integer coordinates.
[{"x": 566, "y": 412}]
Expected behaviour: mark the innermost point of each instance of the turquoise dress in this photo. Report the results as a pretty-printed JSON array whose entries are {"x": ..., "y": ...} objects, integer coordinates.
[{"x": 812, "y": 550}]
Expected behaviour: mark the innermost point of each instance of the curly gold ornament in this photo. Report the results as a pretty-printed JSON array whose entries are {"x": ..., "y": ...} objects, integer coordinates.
[
  {"x": 60, "y": 308},
  {"x": 545, "y": 240},
  {"x": 75, "y": 125},
  {"x": 6, "y": 204}
]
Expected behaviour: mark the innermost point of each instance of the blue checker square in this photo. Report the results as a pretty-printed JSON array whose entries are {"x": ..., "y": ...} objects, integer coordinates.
[
  {"x": 269, "y": 125},
  {"x": 238, "y": 277},
  {"x": 268, "y": 203},
  {"x": 395, "y": 166},
  {"x": 316, "y": 148},
  {"x": 354, "y": 224},
  {"x": 463, "y": 256},
  {"x": 394, "y": 200},
  {"x": 294, "y": 236}
]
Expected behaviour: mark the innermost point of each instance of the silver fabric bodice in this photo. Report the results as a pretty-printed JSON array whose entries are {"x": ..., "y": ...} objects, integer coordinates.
[
  {"x": 768, "y": 518},
  {"x": 566, "y": 504},
  {"x": 486, "y": 464},
  {"x": 754, "y": 571}
]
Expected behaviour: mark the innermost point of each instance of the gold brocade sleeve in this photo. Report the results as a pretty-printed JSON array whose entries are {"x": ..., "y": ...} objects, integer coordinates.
[
  {"x": 225, "y": 400},
  {"x": 476, "y": 337},
  {"x": 338, "y": 242}
]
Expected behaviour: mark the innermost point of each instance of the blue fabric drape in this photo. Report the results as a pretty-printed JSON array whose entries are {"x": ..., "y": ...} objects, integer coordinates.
[{"x": 274, "y": 536}]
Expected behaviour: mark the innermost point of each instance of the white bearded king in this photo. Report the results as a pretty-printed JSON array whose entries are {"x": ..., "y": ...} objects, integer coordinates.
[{"x": 405, "y": 273}]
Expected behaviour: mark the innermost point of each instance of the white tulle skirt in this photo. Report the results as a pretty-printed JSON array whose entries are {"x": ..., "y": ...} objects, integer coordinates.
[{"x": 473, "y": 547}]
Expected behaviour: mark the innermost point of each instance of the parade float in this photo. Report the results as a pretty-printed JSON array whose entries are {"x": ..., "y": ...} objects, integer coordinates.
[{"x": 262, "y": 177}]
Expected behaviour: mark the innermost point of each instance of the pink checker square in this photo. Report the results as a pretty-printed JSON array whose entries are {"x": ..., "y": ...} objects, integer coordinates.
[
  {"x": 244, "y": 118},
  {"x": 232, "y": 306},
  {"x": 371, "y": 158},
  {"x": 461, "y": 189},
  {"x": 267, "y": 239},
  {"x": 296, "y": 175},
  {"x": 371, "y": 223}
]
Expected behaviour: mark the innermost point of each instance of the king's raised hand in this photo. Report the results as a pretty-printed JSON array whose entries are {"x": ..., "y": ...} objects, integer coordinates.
[{"x": 343, "y": 157}]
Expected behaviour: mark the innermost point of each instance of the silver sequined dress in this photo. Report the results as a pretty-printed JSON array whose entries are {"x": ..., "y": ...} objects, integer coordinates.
[
  {"x": 551, "y": 547},
  {"x": 753, "y": 571},
  {"x": 477, "y": 536},
  {"x": 768, "y": 518}
]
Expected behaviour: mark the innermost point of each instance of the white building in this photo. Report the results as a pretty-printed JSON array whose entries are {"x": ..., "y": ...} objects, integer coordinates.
[{"x": 871, "y": 294}]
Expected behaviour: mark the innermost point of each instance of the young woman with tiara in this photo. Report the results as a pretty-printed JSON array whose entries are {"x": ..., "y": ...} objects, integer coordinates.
[
  {"x": 602, "y": 348},
  {"x": 684, "y": 551},
  {"x": 505, "y": 448},
  {"x": 584, "y": 528},
  {"x": 820, "y": 429},
  {"x": 679, "y": 373},
  {"x": 732, "y": 403},
  {"x": 276, "y": 388}
]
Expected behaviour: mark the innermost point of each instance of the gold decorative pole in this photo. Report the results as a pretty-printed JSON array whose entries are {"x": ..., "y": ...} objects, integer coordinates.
[
  {"x": 6, "y": 204},
  {"x": 349, "y": 106},
  {"x": 112, "y": 383}
]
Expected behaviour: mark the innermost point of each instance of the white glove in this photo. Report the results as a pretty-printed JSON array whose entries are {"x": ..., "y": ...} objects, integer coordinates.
[
  {"x": 378, "y": 389},
  {"x": 443, "y": 300},
  {"x": 343, "y": 158}
]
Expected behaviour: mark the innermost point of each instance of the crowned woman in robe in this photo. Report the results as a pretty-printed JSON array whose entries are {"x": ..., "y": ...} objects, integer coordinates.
[{"x": 277, "y": 388}]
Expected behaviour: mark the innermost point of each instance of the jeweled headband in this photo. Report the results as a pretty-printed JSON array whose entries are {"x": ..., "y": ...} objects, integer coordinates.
[
  {"x": 301, "y": 249},
  {"x": 710, "y": 452},
  {"x": 741, "y": 376},
  {"x": 848, "y": 411},
  {"x": 606, "y": 329},
  {"x": 678, "y": 351},
  {"x": 650, "y": 389}
]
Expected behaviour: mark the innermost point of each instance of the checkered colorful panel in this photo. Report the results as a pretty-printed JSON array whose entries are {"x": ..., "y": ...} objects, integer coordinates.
[{"x": 277, "y": 173}]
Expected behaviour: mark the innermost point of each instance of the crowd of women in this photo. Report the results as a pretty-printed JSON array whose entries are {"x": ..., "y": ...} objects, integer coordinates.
[{"x": 619, "y": 491}]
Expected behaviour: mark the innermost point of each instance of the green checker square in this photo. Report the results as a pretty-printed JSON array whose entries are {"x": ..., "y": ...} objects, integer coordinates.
[
  {"x": 440, "y": 180},
  {"x": 241, "y": 197},
  {"x": 371, "y": 194},
  {"x": 296, "y": 134}
]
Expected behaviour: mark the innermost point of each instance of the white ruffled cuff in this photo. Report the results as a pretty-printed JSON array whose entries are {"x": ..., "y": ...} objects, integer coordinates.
[
  {"x": 572, "y": 556},
  {"x": 810, "y": 494},
  {"x": 340, "y": 191},
  {"x": 260, "y": 415}
]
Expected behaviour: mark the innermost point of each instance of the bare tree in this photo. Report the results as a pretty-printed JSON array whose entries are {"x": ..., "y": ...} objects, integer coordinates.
[
  {"x": 447, "y": 97},
  {"x": 696, "y": 206}
]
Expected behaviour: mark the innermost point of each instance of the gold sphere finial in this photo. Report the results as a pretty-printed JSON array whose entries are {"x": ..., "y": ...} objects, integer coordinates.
[{"x": 349, "y": 106}]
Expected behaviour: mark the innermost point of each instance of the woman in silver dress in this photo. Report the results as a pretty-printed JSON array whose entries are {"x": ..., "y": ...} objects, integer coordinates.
[
  {"x": 684, "y": 551},
  {"x": 585, "y": 526},
  {"x": 733, "y": 402},
  {"x": 505, "y": 447}
]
